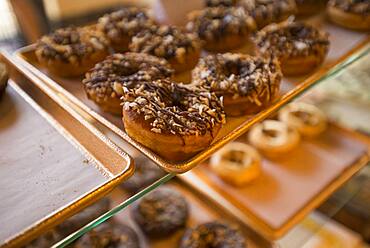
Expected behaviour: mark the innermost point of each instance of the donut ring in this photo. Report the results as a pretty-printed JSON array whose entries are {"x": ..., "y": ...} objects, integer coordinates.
[
  {"x": 299, "y": 47},
  {"x": 237, "y": 163},
  {"x": 221, "y": 28},
  {"x": 213, "y": 234},
  {"x": 160, "y": 213},
  {"x": 265, "y": 12},
  {"x": 248, "y": 84},
  {"x": 179, "y": 48},
  {"x": 350, "y": 14},
  {"x": 120, "y": 26},
  {"x": 273, "y": 137},
  {"x": 70, "y": 52},
  {"x": 309, "y": 120},
  {"x": 103, "y": 83},
  {"x": 174, "y": 120}
]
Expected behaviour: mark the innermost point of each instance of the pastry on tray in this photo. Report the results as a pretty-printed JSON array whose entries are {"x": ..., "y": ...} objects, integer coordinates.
[
  {"x": 103, "y": 83},
  {"x": 237, "y": 163},
  {"x": 161, "y": 212},
  {"x": 120, "y": 26},
  {"x": 273, "y": 138},
  {"x": 353, "y": 14},
  {"x": 70, "y": 52},
  {"x": 247, "y": 84},
  {"x": 176, "y": 121},
  {"x": 300, "y": 47},
  {"x": 181, "y": 49},
  {"x": 307, "y": 119},
  {"x": 221, "y": 28}
]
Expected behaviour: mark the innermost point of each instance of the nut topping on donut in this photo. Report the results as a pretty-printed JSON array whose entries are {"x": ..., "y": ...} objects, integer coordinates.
[
  {"x": 174, "y": 108},
  {"x": 361, "y": 7}
]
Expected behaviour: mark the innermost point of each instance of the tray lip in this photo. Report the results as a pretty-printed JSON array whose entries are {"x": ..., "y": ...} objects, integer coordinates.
[
  {"x": 83, "y": 200},
  {"x": 249, "y": 219},
  {"x": 203, "y": 155}
]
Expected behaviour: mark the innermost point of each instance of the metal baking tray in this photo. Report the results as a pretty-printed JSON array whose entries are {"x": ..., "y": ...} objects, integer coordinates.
[
  {"x": 345, "y": 45},
  {"x": 53, "y": 162},
  {"x": 291, "y": 186}
]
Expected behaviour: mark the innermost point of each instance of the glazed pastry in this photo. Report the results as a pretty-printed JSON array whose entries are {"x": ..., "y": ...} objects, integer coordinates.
[
  {"x": 103, "y": 83},
  {"x": 176, "y": 121},
  {"x": 217, "y": 3},
  {"x": 309, "y": 7},
  {"x": 213, "y": 234},
  {"x": 353, "y": 14},
  {"x": 109, "y": 234},
  {"x": 120, "y": 26},
  {"x": 84, "y": 217},
  {"x": 306, "y": 118},
  {"x": 266, "y": 12},
  {"x": 161, "y": 212},
  {"x": 221, "y": 28},
  {"x": 273, "y": 138},
  {"x": 237, "y": 163},
  {"x": 247, "y": 84},
  {"x": 70, "y": 52},
  {"x": 3, "y": 79},
  {"x": 300, "y": 48},
  {"x": 146, "y": 173},
  {"x": 179, "y": 48}
]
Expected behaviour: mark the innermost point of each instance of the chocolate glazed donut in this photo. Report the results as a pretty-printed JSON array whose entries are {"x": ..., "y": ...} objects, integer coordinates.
[
  {"x": 174, "y": 120},
  {"x": 103, "y": 83}
]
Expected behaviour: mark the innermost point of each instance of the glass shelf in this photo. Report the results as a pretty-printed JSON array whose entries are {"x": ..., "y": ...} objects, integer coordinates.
[{"x": 350, "y": 65}]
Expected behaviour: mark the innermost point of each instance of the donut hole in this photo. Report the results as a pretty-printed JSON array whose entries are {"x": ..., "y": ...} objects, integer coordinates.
[
  {"x": 235, "y": 156},
  {"x": 270, "y": 132},
  {"x": 306, "y": 117}
]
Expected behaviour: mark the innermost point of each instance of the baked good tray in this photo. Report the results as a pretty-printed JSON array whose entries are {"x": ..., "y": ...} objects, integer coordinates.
[
  {"x": 344, "y": 48},
  {"x": 290, "y": 186},
  {"x": 53, "y": 163}
]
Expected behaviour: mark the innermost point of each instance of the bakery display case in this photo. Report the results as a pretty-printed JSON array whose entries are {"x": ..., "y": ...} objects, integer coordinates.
[{"x": 219, "y": 176}]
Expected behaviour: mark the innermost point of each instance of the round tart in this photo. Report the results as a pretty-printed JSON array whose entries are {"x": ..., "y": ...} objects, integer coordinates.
[
  {"x": 353, "y": 14},
  {"x": 146, "y": 173},
  {"x": 109, "y": 234},
  {"x": 3, "y": 79},
  {"x": 176, "y": 121},
  {"x": 299, "y": 47},
  {"x": 179, "y": 48},
  {"x": 103, "y": 83},
  {"x": 237, "y": 163},
  {"x": 309, "y": 7},
  {"x": 70, "y": 52},
  {"x": 247, "y": 84},
  {"x": 221, "y": 28},
  {"x": 273, "y": 138},
  {"x": 265, "y": 12},
  {"x": 120, "y": 26},
  {"x": 213, "y": 234},
  {"x": 306, "y": 118},
  {"x": 161, "y": 212}
]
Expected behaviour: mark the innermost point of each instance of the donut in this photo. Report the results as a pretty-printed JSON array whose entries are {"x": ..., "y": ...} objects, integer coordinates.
[
  {"x": 273, "y": 138},
  {"x": 266, "y": 12},
  {"x": 3, "y": 79},
  {"x": 109, "y": 234},
  {"x": 300, "y": 47},
  {"x": 181, "y": 49},
  {"x": 174, "y": 120},
  {"x": 83, "y": 218},
  {"x": 309, "y": 7},
  {"x": 214, "y": 235},
  {"x": 309, "y": 120},
  {"x": 146, "y": 173},
  {"x": 217, "y": 3},
  {"x": 161, "y": 212},
  {"x": 70, "y": 52},
  {"x": 352, "y": 14},
  {"x": 237, "y": 163},
  {"x": 120, "y": 26},
  {"x": 247, "y": 84},
  {"x": 103, "y": 83},
  {"x": 221, "y": 28}
]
